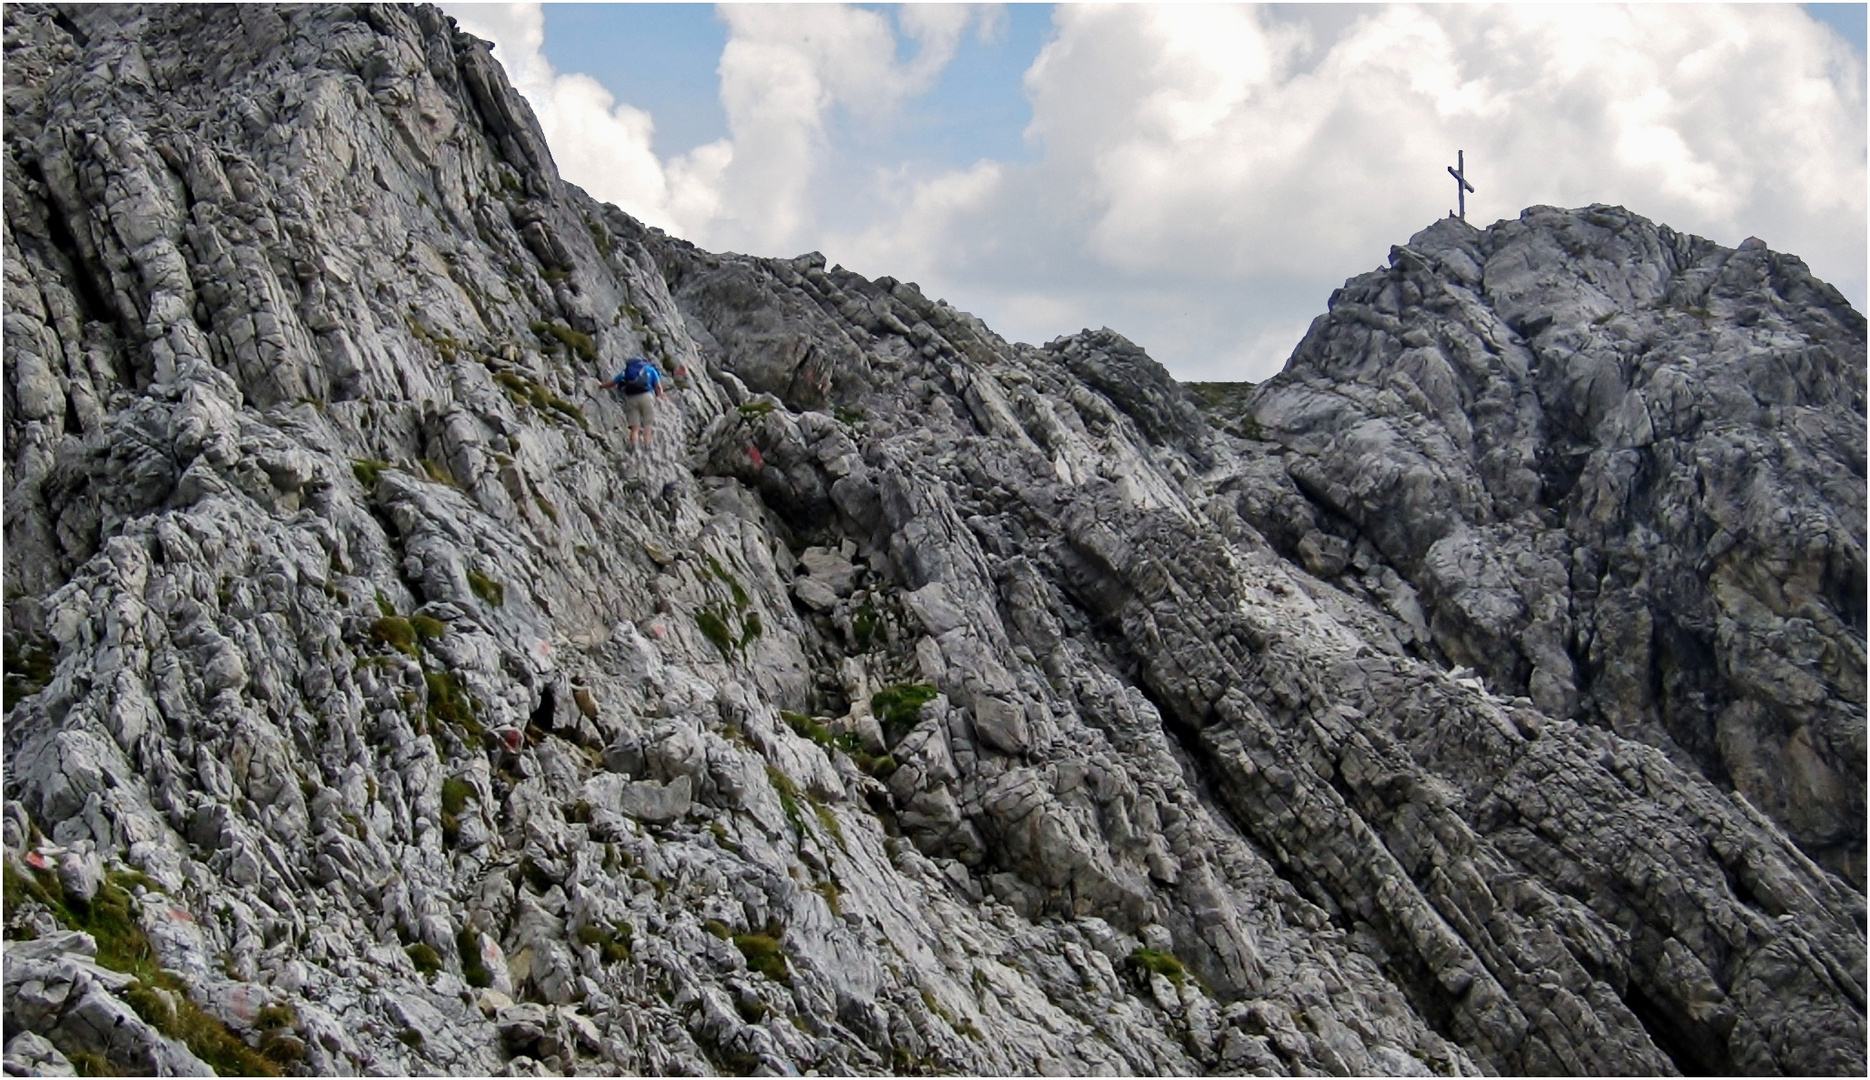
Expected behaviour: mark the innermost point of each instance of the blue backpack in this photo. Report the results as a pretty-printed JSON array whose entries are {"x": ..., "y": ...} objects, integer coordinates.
[{"x": 638, "y": 377}]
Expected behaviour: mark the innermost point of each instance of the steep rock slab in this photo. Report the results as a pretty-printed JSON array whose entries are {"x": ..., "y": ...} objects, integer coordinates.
[
  {"x": 421, "y": 725},
  {"x": 378, "y": 673}
]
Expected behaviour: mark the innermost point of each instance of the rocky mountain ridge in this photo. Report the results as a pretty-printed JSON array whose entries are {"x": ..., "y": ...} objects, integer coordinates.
[
  {"x": 1623, "y": 470},
  {"x": 919, "y": 701}
]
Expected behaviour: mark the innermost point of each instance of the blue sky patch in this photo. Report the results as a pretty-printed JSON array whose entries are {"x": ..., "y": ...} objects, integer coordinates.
[
  {"x": 660, "y": 58},
  {"x": 1846, "y": 19}
]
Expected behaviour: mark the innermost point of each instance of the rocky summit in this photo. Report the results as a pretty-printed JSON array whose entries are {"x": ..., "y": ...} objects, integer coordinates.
[{"x": 1483, "y": 694}]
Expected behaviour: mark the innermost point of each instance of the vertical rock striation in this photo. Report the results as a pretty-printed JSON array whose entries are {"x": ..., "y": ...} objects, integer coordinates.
[{"x": 918, "y": 701}]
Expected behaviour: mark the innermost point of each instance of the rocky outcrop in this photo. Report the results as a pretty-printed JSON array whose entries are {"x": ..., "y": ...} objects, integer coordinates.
[
  {"x": 916, "y": 702},
  {"x": 1621, "y": 472}
]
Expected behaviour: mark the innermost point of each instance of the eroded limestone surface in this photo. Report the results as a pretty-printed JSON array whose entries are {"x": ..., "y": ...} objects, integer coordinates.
[
  {"x": 1621, "y": 470},
  {"x": 919, "y": 701}
]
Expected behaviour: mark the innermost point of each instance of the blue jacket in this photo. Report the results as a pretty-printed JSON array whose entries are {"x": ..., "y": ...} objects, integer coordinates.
[{"x": 649, "y": 370}]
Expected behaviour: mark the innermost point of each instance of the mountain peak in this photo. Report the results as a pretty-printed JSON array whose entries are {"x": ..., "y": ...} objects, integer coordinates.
[
  {"x": 1636, "y": 413},
  {"x": 1476, "y": 697}
]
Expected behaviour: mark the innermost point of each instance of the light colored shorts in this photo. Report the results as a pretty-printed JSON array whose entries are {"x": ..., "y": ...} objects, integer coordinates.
[{"x": 640, "y": 409}]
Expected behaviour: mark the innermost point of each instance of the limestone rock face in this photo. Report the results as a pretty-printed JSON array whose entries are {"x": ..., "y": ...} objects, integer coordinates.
[
  {"x": 917, "y": 701},
  {"x": 1622, "y": 471}
]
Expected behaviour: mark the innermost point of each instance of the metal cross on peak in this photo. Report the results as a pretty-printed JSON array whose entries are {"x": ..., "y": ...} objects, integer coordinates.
[{"x": 1461, "y": 187}]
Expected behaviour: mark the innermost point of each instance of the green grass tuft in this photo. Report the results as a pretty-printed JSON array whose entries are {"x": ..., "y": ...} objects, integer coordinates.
[
  {"x": 809, "y": 728},
  {"x": 576, "y": 341},
  {"x": 426, "y": 628},
  {"x": 525, "y": 391},
  {"x": 92, "y": 1063},
  {"x": 829, "y": 820},
  {"x": 424, "y": 957},
  {"x": 472, "y": 969},
  {"x": 567, "y": 409},
  {"x": 733, "y": 583},
  {"x": 368, "y": 471},
  {"x": 123, "y": 946},
  {"x": 714, "y": 628},
  {"x": 396, "y": 632},
  {"x": 450, "y": 704},
  {"x": 490, "y": 591},
  {"x": 717, "y": 620},
  {"x": 440, "y": 473},
  {"x": 600, "y": 236},
  {"x": 847, "y": 744},
  {"x": 612, "y": 945},
  {"x": 283, "y": 1048},
  {"x": 765, "y": 956},
  {"x": 455, "y": 794},
  {"x": 517, "y": 387},
  {"x": 898, "y": 707},
  {"x": 788, "y": 796},
  {"x": 1160, "y": 963},
  {"x": 155, "y": 1006}
]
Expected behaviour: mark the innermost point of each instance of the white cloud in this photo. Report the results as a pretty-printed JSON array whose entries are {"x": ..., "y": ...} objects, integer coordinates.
[
  {"x": 916, "y": 237},
  {"x": 518, "y": 34},
  {"x": 1200, "y": 161},
  {"x": 598, "y": 143},
  {"x": 784, "y": 70},
  {"x": 1205, "y": 174},
  {"x": 1227, "y": 157}
]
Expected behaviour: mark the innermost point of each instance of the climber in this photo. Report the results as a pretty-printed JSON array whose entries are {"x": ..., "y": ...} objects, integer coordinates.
[{"x": 638, "y": 380}]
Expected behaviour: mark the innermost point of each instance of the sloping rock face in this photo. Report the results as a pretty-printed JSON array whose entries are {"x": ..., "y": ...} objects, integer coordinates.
[
  {"x": 916, "y": 702},
  {"x": 1622, "y": 471}
]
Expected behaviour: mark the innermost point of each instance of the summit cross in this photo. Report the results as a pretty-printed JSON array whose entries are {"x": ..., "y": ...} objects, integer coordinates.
[{"x": 1461, "y": 187}]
